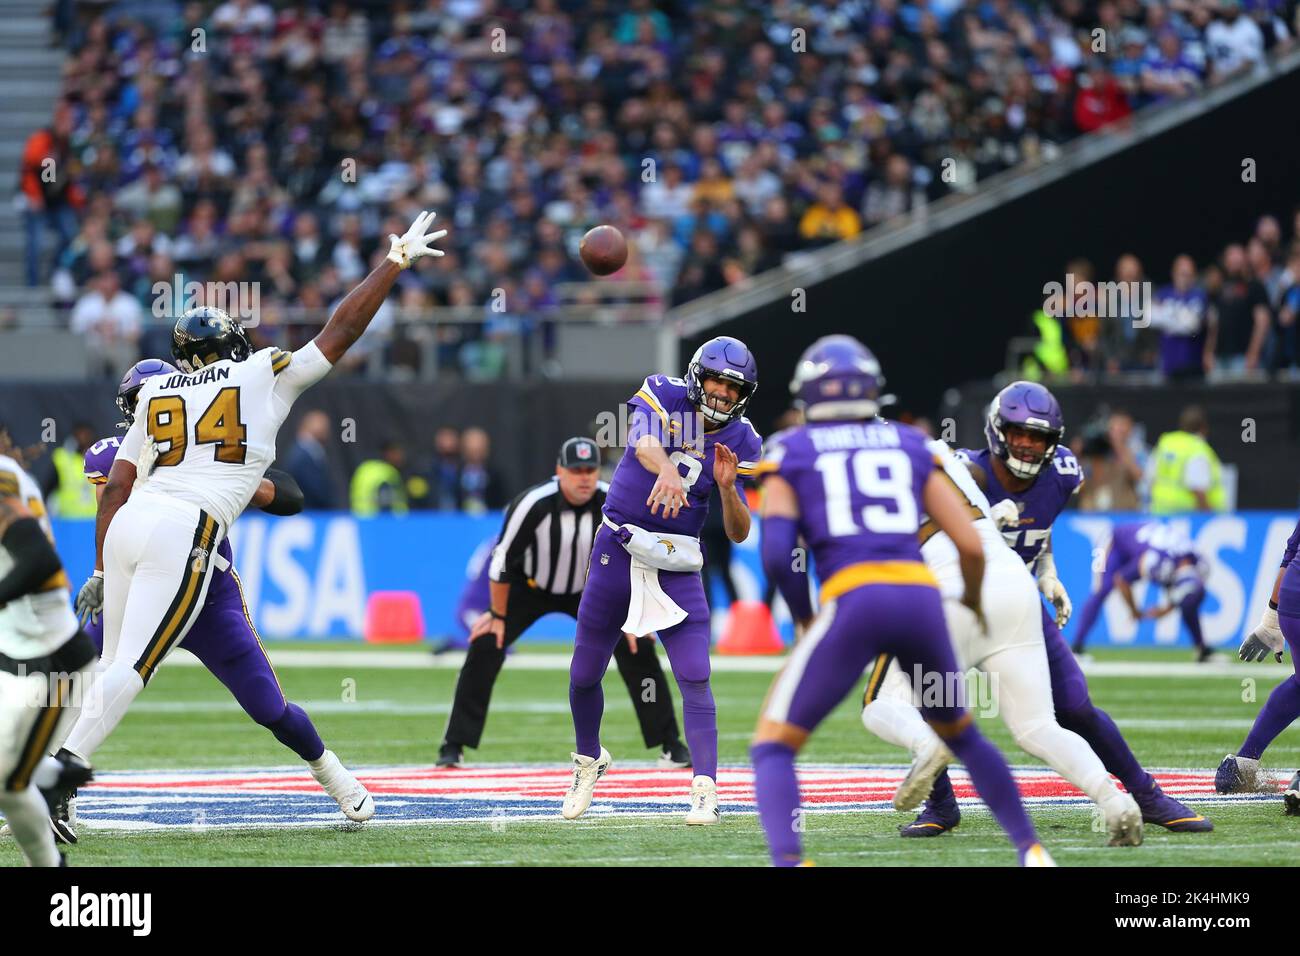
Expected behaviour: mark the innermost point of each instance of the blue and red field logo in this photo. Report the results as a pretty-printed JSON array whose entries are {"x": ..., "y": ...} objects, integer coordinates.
[{"x": 496, "y": 793}]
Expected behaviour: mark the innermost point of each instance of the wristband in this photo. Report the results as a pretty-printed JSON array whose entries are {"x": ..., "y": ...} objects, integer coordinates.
[
  {"x": 97, "y": 573},
  {"x": 495, "y": 615},
  {"x": 1272, "y": 605}
]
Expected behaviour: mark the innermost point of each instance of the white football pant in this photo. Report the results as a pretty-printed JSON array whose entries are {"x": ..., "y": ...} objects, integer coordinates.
[{"x": 158, "y": 561}]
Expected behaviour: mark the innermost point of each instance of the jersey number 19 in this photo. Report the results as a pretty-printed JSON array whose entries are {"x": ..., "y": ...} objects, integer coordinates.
[{"x": 883, "y": 476}]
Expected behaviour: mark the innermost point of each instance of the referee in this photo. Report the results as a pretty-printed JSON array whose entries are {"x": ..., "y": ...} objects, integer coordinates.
[{"x": 539, "y": 567}]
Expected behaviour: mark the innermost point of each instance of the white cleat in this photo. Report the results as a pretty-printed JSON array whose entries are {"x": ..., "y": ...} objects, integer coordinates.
[
  {"x": 704, "y": 803},
  {"x": 1123, "y": 820},
  {"x": 1036, "y": 856},
  {"x": 586, "y": 771},
  {"x": 353, "y": 799},
  {"x": 929, "y": 762}
]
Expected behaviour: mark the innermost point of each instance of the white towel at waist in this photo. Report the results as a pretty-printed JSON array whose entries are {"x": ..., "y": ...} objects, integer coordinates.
[{"x": 649, "y": 607}]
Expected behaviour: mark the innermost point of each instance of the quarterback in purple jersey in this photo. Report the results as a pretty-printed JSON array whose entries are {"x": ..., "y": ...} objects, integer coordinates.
[
  {"x": 1029, "y": 479},
  {"x": 685, "y": 436},
  {"x": 1154, "y": 551},
  {"x": 856, "y": 488},
  {"x": 1279, "y": 628},
  {"x": 223, "y": 637}
]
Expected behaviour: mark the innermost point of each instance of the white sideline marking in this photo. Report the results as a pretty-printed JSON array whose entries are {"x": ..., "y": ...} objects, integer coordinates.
[{"x": 452, "y": 660}]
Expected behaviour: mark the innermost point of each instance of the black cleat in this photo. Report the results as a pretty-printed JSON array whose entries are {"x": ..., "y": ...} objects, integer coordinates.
[
  {"x": 73, "y": 773},
  {"x": 449, "y": 755},
  {"x": 675, "y": 755}
]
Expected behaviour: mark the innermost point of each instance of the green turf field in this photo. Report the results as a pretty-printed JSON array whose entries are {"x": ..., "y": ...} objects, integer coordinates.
[{"x": 375, "y": 716}]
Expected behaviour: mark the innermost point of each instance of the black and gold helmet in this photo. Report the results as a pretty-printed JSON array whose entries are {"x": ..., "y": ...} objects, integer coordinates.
[{"x": 205, "y": 335}]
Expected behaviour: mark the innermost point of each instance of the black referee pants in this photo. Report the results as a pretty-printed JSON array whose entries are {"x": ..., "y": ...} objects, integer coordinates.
[{"x": 483, "y": 663}]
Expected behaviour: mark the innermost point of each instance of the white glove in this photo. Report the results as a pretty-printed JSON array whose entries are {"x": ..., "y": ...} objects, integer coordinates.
[
  {"x": 1050, "y": 586},
  {"x": 1005, "y": 512},
  {"x": 144, "y": 462},
  {"x": 415, "y": 244},
  {"x": 1264, "y": 640},
  {"x": 90, "y": 599}
]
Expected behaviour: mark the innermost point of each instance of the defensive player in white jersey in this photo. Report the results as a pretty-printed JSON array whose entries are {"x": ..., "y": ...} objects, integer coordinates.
[
  {"x": 45, "y": 659},
  {"x": 1012, "y": 653},
  {"x": 204, "y": 437}
]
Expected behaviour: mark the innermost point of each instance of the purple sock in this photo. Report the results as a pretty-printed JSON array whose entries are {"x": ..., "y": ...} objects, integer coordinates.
[
  {"x": 296, "y": 731},
  {"x": 777, "y": 790},
  {"x": 1095, "y": 726},
  {"x": 701, "y": 720},
  {"x": 996, "y": 787},
  {"x": 1280, "y": 710}
]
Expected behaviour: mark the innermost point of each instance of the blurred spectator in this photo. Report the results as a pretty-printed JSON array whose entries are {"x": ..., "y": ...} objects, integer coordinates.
[
  {"x": 109, "y": 319},
  {"x": 1181, "y": 315},
  {"x": 308, "y": 464},
  {"x": 1186, "y": 475},
  {"x": 49, "y": 190},
  {"x": 378, "y": 485},
  {"x": 479, "y": 486},
  {"x": 1286, "y": 353},
  {"x": 444, "y": 473},
  {"x": 829, "y": 219},
  {"x": 1244, "y": 319},
  {"x": 1169, "y": 74},
  {"x": 1114, "y": 460},
  {"x": 1235, "y": 43},
  {"x": 1101, "y": 100}
]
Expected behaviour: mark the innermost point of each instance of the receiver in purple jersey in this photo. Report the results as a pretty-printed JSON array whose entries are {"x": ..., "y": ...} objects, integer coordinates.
[
  {"x": 661, "y": 408},
  {"x": 859, "y": 486}
]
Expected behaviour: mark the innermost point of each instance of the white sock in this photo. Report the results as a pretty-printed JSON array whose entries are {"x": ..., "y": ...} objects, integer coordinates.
[
  {"x": 46, "y": 773},
  {"x": 897, "y": 722},
  {"x": 118, "y": 686},
  {"x": 29, "y": 819}
]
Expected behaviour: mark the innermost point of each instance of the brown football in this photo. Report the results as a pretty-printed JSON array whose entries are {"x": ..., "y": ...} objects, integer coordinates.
[{"x": 603, "y": 250}]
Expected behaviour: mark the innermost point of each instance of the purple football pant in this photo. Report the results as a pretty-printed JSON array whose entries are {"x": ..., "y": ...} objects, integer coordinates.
[
  {"x": 1076, "y": 711},
  {"x": 1283, "y": 704},
  {"x": 224, "y": 640},
  {"x": 601, "y": 614},
  {"x": 904, "y": 620}
]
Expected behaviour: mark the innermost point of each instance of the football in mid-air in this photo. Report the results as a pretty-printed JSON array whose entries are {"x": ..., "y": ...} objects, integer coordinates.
[{"x": 603, "y": 250}]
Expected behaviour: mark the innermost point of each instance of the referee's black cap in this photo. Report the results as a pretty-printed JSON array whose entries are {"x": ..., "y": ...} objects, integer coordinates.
[{"x": 579, "y": 452}]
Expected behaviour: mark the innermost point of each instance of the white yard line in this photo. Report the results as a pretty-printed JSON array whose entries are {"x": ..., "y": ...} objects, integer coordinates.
[{"x": 366, "y": 658}]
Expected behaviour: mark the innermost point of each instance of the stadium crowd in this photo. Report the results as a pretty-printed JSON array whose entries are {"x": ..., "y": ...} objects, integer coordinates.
[
  {"x": 1230, "y": 318},
  {"x": 237, "y": 142}
]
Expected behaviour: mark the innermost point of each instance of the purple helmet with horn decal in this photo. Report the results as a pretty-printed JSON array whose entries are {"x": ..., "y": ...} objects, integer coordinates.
[
  {"x": 837, "y": 378},
  {"x": 1032, "y": 407},
  {"x": 129, "y": 388},
  {"x": 727, "y": 360}
]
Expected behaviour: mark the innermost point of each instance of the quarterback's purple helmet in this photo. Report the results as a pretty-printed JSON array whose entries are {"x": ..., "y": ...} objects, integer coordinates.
[
  {"x": 1032, "y": 407},
  {"x": 837, "y": 378},
  {"x": 129, "y": 388},
  {"x": 728, "y": 360}
]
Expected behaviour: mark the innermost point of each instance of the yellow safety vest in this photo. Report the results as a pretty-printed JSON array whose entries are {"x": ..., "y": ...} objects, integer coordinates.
[
  {"x": 369, "y": 477},
  {"x": 1049, "y": 354},
  {"x": 1169, "y": 495},
  {"x": 75, "y": 496}
]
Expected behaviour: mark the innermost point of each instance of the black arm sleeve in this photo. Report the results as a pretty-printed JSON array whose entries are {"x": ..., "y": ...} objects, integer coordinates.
[
  {"x": 288, "y": 498},
  {"x": 35, "y": 560}
]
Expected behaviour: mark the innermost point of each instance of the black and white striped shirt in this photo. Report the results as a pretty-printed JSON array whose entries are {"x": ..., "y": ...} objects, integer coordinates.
[{"x": 545, "y": 541}]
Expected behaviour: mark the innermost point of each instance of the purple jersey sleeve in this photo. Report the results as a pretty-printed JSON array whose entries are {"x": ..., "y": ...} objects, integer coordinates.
[
  {"x": 99, "y": 459},
  {"x": 1292, "y": 545}
]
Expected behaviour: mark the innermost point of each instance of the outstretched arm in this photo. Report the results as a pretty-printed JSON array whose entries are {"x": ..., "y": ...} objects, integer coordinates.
[{"x": 359, "y": 306}]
